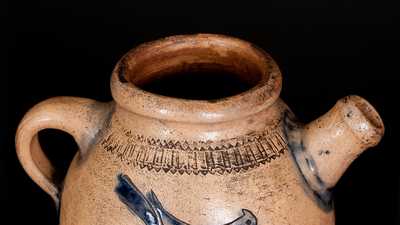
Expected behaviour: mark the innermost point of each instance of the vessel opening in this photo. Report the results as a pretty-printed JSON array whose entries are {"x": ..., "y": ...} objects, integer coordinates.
[
  {"x": 197, "y": 85},
  {"x": 201, "y": 78},
  {"x": 197, "y": 71}
]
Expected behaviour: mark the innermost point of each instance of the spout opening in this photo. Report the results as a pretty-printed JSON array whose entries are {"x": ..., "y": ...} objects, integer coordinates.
[
  {"x": 364, "y": 120},
  {"x": 369, "y": 112}
]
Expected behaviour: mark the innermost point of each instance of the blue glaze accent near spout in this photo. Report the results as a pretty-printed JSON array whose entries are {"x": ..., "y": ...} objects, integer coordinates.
[
  {"x": 150, "y": 210},
  {"x": 304, "y": 161}
]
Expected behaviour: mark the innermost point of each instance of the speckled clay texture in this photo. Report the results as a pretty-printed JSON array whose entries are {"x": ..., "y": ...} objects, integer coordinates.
[{"x": 151, "y": 159}]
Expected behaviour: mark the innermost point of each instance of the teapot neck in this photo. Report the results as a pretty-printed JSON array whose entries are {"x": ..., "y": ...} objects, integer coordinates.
[{"x": 193, "y": 53}]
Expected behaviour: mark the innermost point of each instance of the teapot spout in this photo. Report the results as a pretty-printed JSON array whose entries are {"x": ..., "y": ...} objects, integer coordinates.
[{"x": 334, "y": 140}]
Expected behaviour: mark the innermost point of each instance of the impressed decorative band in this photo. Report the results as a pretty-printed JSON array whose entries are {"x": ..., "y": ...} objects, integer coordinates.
[{"x": 237, "y": 154}]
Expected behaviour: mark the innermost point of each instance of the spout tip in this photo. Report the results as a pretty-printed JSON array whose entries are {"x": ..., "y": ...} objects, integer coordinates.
[
  {"x": 363, "y": 120},
  {"x": 337, "y": 138}
]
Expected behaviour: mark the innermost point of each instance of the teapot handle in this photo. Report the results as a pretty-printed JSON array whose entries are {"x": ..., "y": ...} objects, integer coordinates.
[{"x": 80, "y": 117}]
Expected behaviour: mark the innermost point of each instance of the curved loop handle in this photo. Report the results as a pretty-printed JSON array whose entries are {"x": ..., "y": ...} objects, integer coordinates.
[{"x": 80, "y": 117}]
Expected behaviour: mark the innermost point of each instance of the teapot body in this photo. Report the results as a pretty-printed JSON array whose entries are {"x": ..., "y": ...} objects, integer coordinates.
[
  {"x": 248, "y": 166},
  {"x": 238, "y": 159}
]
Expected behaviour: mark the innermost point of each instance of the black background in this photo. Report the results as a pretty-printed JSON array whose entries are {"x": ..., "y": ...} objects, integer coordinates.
[{"x": 325, "y": 49}]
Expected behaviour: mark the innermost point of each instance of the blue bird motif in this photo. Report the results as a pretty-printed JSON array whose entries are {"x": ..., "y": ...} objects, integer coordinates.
[{"x": 150, "y": 210}]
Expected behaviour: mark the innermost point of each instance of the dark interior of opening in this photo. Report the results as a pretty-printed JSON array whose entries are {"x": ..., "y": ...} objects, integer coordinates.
[
  {"x": 198, "y": 74},
  {"x": 197, "y": 85}
]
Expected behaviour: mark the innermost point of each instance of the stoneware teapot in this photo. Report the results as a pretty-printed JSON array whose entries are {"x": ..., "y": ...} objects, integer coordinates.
[{"x": 223, "y": 153}]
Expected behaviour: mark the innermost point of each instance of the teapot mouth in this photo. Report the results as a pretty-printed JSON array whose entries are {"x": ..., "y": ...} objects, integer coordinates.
[{"x": 196, "y": 53}]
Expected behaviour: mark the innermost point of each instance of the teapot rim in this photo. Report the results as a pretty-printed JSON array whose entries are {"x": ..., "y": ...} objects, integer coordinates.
[{"x": 131, "y": 97}]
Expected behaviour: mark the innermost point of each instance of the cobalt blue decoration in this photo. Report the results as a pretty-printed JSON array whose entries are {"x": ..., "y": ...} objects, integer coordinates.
[{"x": 150, "y": 210}]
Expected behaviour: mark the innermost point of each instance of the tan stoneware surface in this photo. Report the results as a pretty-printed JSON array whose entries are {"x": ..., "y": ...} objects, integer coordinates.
[{"x": 147, "y": 159}]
